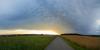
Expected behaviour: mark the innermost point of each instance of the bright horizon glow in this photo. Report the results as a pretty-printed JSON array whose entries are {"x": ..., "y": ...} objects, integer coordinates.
[{"x": 19, "y": 31}]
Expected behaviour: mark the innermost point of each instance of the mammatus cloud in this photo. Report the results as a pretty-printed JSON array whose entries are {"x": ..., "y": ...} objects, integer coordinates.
[{"x": 73, "y": 15}]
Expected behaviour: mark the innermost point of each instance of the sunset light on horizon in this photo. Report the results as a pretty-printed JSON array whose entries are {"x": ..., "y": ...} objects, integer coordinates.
[{"x": 20, "y": 31}]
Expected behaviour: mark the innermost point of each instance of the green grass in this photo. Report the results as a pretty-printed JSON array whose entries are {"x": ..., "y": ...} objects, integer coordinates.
[
  {"x": 74, "y": 45},
  {"x": 25, "y": 42}
]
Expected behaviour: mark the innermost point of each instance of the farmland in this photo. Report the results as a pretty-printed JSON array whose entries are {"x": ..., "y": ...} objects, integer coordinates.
[
  {"x": 84, "y": 42},
  {"x": 25, "y": 42}
]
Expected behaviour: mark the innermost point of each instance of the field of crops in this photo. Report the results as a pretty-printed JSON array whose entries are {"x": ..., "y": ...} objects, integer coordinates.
[
  {"x": 89, "y": 42},
  {"x": 24, "y": 42}
]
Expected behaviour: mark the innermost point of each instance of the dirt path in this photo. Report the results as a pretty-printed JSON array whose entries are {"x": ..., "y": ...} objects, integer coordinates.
[{"x": 58, "y": 44}]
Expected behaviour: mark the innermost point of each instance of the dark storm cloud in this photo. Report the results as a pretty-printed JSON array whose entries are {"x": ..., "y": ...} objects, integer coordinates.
[{"x": 80, "y": 15}]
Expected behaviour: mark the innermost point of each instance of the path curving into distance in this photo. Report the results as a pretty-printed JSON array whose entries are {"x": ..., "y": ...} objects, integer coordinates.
[{"x": 58, "y": 44}]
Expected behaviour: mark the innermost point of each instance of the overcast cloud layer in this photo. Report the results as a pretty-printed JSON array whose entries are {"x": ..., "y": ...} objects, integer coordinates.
[{"x": 66, "y": 15}]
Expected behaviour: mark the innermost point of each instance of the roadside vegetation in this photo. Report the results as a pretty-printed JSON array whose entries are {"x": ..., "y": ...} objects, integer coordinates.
[
  {"x": 83, "y": 42},
  {"x": 25, "y": 42}
]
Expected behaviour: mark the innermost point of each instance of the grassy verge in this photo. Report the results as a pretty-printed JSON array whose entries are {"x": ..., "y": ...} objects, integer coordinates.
[
  {"x": 25, "y": 42},
  {"x": 74, "y": 45}
]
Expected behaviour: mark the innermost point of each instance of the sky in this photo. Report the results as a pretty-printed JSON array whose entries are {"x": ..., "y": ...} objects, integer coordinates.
[{"x": 63, "y": 16}]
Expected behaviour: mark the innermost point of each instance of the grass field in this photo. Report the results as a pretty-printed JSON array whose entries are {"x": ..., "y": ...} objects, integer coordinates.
[
  {"x": 83, "y": 42},
  {"x": 25, "y": 42}
]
